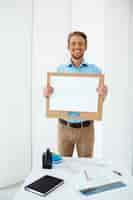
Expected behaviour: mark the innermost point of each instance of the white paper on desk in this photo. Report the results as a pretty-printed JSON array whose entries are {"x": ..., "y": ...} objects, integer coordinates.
[
  {"x": 69, "y": 94},
  {"x": 97, "y": 178}
]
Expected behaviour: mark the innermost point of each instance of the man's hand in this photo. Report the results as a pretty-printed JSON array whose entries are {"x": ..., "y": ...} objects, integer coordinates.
[
  {"x": 48, "y": 91},
  {"x": 102, "y": 90}
]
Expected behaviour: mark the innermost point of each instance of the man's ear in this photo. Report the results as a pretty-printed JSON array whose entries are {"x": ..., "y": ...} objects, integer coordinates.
[{"x": 85, "y": 47}]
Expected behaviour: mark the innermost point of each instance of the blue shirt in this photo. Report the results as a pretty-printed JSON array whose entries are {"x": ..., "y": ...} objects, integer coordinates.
[{"x": 83, "y": 68}]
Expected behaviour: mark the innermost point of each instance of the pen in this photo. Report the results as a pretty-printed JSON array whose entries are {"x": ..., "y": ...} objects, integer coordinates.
[
  {"x": 118, "y": 173},
  {"x": 86, "y": 175}
]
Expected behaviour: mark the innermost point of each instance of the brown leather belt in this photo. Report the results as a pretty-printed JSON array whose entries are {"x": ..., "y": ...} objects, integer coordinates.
[{"x": 75, "y": 125}]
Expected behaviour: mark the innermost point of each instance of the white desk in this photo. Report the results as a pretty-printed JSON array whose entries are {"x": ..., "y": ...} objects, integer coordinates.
[{"x": 72, "y": 171}]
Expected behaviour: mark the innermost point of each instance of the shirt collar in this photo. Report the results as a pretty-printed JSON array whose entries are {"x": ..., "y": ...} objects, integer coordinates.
[{"x": 83, "y": 63}]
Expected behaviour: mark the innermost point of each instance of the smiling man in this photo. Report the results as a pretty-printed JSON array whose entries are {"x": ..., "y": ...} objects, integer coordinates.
[{"x": 73, "y": 132}]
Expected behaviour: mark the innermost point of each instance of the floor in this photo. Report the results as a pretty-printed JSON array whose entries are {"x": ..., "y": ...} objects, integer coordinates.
[{"x": 8, "y": 193}]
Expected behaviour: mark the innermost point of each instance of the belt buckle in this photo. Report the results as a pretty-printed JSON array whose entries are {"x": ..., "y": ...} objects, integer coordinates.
[
  {"x": 68, "y": 124},
  {"x": 82, "y": 126}
]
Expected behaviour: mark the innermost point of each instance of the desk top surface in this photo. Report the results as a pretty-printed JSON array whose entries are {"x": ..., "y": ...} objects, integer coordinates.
[{"x": 72, "y": 171}]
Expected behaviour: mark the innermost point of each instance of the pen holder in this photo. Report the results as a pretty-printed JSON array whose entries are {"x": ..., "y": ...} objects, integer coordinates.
[{"x": 47, "y": 159}]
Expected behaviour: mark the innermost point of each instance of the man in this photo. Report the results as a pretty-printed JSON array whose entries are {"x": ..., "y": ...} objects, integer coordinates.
[{"x": 76, "y": 132}]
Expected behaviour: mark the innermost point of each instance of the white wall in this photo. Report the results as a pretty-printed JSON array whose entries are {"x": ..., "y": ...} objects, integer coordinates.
[
  {"x": 130, "y": 79},
  {"x": 117, "y": 138},
  {"x": 15, "y": 90}
]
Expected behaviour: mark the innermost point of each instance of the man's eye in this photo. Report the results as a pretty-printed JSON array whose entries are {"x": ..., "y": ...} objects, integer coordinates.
[
  {"x": 80, "y": 44},
  {"x": 73, "y": 44}
]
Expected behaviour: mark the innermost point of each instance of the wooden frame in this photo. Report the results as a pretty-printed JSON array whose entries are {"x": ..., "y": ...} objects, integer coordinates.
[{"x": 57, "y": 113}]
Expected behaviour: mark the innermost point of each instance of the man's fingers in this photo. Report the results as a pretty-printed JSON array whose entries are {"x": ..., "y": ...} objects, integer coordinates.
[
  {"x": 102, "y": 90},
  {"x": 50, "y": 89}
]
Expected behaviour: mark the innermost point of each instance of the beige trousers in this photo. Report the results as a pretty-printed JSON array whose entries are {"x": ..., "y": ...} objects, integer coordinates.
[{"x": 82, "y": 138}]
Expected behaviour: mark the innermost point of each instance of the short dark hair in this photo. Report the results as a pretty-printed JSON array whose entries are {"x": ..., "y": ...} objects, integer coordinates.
[{"x": 79, "y": 33}]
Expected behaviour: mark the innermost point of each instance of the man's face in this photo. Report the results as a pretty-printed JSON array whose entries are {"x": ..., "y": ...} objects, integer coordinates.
[{"x": 77, "y": 47}]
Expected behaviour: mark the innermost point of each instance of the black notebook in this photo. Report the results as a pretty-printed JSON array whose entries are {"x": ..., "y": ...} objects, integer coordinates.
[{"x": 44, "y": 185}]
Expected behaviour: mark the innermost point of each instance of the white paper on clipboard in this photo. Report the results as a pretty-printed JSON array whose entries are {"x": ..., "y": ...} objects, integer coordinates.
[{"x": 81, "y": 90}]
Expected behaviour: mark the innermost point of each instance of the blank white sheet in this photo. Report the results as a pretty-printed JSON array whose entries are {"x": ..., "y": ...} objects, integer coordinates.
[{"x": 74, "y": 93}]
